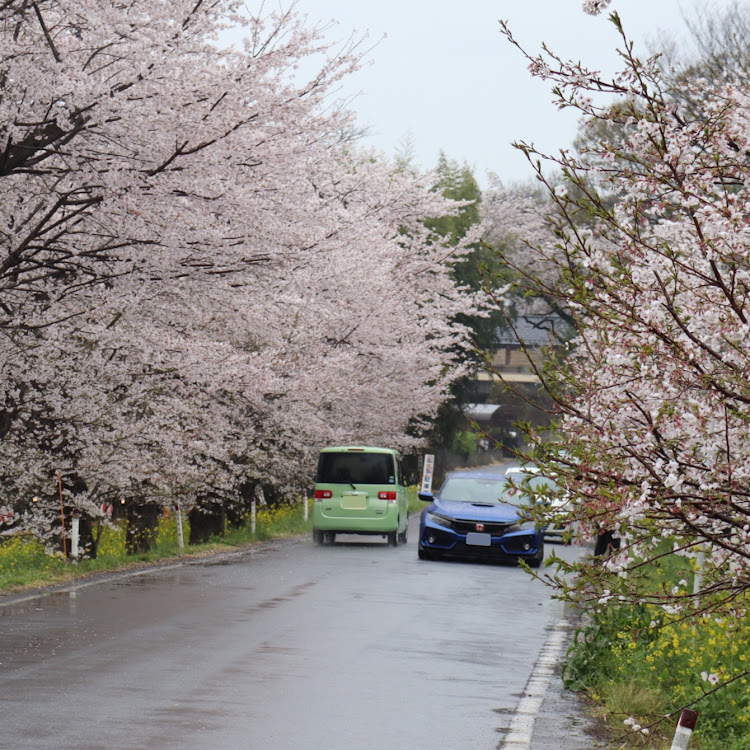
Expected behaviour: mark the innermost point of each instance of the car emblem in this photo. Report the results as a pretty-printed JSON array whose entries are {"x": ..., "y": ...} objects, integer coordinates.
[{"x": 479, "y": 527}]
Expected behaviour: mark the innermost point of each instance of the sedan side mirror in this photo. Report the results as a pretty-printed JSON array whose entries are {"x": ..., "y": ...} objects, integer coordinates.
[{"x": 428, "y": 497}]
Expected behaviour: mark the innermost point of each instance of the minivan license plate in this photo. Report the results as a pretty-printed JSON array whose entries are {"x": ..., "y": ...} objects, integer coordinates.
[
  {"x": 478, "y": 540},
  {"x": 354, "y": 501}
]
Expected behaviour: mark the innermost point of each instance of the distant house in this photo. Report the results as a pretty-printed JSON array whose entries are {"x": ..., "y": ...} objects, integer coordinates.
[
  {"x": 507, "y": 392},
  {"x": 516, "y": 350}
]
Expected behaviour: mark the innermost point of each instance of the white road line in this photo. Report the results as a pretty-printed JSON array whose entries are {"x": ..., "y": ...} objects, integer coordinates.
[
  {"x": 75, "y": 586},
  {"x": 521, "y": 727},
  {"x": 115, "y": 575}
]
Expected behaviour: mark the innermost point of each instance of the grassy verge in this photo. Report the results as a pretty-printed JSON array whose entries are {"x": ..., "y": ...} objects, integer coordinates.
[
  {"x": 24, "y": 563},
  {"x": 415, "y": 504},
  {"x": 640, "y": 663}
]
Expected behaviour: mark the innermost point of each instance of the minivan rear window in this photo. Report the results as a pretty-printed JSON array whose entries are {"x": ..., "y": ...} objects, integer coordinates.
[{"x": 355, "y": 468}]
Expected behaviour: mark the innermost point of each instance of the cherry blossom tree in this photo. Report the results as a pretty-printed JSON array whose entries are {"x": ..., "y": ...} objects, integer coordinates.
[
  {"x": 653, "y": 393},
  {"x": 520, "y": 226},
  {"x": 201, "y": 280},
  {"x": 594, "y": 7}
]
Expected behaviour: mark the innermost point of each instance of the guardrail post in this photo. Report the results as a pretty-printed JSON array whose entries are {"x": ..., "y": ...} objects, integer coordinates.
[{"x": 684, "y": 729}]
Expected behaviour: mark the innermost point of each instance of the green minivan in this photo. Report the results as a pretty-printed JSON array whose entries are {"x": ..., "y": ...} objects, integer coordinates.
[{"x": 360, "y": 490}]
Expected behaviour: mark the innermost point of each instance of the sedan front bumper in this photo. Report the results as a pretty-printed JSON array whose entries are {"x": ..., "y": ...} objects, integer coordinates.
[{"x": 438, "y": 540}]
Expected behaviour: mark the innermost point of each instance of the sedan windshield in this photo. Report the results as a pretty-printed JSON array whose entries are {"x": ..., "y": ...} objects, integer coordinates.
[
  {"x": 539, "y": 483},
  {"x": 482, "y": 490}
]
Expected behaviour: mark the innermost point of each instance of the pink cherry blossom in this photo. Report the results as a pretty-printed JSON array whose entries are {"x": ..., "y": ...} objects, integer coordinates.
[
  {"x": 202, "y": 279},
  {"x": 651, "y": 258},
  {"x": 594, "y": 7}
]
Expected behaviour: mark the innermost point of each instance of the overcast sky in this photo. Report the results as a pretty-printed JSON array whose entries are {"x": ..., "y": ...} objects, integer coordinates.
[{"x": 445, "y": 76}]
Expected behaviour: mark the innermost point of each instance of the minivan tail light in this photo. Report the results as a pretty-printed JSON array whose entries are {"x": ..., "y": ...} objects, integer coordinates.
[
  {"x": 323, "y": 494},
  {"x": 389, "y": 496}
]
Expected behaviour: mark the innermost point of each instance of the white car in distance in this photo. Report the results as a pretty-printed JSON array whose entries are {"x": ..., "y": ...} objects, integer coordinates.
[{"x": 555, "y": 530}]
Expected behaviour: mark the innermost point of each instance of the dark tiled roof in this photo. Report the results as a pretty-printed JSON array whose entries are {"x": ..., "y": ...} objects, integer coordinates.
[{"x": 534, "y": 331}]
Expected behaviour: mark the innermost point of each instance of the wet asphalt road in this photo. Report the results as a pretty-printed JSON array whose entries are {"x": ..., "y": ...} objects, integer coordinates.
[{"x": 354, "y": 646}]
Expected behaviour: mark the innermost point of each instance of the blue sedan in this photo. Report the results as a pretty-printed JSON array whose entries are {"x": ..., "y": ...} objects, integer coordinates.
[{"x": 478, "y": 515}]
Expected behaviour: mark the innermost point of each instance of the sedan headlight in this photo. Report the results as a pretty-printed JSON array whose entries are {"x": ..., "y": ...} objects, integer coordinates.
[
  {"x": 522, "y": 525},
  {"x": 439, "y": 520}
]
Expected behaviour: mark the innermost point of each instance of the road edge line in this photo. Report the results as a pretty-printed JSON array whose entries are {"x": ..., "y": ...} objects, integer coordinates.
[
  {"x": 521, "y": 728},
  {"x": 107, "y": 576}
]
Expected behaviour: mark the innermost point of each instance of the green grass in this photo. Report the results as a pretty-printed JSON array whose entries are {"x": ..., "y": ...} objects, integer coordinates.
[
  {"x": 638, "y": 663},
  {"x": 415, "y": 504},
  {"x": 25, "y": 564}
]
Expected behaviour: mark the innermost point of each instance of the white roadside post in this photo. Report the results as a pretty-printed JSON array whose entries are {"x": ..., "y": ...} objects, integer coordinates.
[
  {"x": 180, "y": 537},
  {"x": 684, "y": 729},
  {"x": 252, "y": 516},
  {"x": 307, "y": 510},
  {"x": 75, "y": 534},
  {"x": 700, "y": 561}
]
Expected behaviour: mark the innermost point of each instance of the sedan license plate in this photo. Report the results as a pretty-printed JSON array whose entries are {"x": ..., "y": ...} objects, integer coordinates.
[{"x": 478, "y": 540}]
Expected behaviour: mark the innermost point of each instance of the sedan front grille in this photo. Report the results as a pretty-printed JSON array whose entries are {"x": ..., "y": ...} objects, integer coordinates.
[{"x": 495, "y": 529}]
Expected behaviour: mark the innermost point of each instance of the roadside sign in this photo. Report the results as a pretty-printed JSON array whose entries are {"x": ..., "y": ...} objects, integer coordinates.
[{"x": 429, "y": 467}]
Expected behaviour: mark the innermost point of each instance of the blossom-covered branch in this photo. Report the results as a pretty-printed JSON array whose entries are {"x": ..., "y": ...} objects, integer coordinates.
[{"x": 653, "y": 259}]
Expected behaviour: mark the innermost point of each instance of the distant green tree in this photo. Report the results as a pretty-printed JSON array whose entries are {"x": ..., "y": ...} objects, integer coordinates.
[
  {"x": 480, "y": 269},
  {"x": 457, "y": 182},
  {"x": 465, "y": 443},
  {"x": 475, "y": 271},
  {"x": 405, "y": 154}
]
